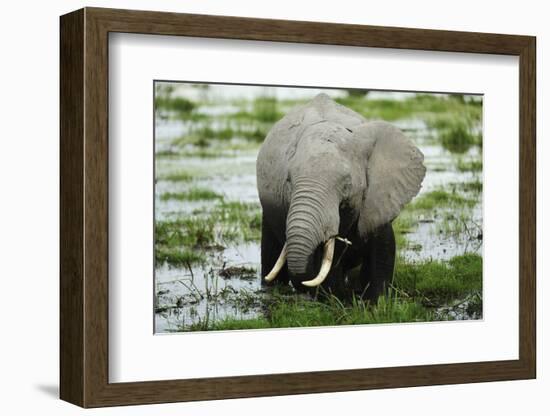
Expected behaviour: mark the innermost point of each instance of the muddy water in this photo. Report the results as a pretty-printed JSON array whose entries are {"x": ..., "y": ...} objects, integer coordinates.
[{"x": 186, "y": 296}]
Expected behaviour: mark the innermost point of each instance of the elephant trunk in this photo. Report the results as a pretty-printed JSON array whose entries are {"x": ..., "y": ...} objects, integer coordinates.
[{"x": 312, "y": 219}]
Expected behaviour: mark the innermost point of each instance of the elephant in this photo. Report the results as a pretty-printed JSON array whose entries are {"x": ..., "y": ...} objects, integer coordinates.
[{"x": 330, "y": 183}]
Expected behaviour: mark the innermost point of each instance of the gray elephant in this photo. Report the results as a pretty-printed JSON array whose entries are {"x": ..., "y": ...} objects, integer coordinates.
[{"x": 330, "y": 184}]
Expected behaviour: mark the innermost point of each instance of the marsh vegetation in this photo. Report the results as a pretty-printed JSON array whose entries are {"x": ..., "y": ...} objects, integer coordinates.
[{"x": 208, "y": 218}]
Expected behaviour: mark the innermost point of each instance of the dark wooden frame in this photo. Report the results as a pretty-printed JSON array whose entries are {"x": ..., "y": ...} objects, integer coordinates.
[{"x": 84, "y": 207}]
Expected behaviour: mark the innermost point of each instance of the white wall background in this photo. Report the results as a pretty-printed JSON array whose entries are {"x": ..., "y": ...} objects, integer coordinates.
[{"x": 29, "y": 159}]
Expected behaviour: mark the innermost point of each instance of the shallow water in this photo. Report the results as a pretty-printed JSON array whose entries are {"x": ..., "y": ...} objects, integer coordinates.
[
  {"x": 185, "y": 297},
  {"x": 181, "y": 289},
  {"x": 434, "y": 245}
]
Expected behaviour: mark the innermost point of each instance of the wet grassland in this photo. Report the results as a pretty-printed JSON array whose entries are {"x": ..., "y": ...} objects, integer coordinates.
[{"x": 208, "y": 218}]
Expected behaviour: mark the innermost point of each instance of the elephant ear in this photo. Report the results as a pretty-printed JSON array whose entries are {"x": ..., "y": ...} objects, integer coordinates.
[{"x": 394, "y": 173}]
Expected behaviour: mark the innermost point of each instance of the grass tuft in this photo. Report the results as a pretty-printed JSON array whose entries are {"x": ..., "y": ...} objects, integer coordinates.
[
  {"x": 458, "y": 139},
  {"x": 179, "y": 105},
  {"x": 439, "y": 199},
  {"x": 437, "y": 282},
  {"x": 193, "y": 194},
  {"x": 469, "y": 165},
  {"x": 295, "y": 311},
  {"x": 179, "y": 176},
  {"x": 475, "y": 186},
  {"x": 227, "y": 222}
]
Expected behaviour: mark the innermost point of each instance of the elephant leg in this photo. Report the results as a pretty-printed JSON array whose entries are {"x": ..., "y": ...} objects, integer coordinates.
[
  {"x": 270, "y": 251},
  {"x": 335, "y": 284},
  {"x": 378, "y": 263}
]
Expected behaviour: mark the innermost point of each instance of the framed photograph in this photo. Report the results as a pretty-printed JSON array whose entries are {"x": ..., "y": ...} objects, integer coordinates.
[{"x": 255, "y": 207}]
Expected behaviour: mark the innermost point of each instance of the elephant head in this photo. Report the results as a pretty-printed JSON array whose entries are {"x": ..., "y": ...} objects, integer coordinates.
[{"x": 333, "y": 174}]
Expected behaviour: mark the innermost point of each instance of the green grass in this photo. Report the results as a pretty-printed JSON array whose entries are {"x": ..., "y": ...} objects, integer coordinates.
[
  {"x": 241, "y": 221},
  {"x": 404, "y": 224},
  {"x": 208, "y": 228},
  {"x": 301, "y": 313},
  {"x": 452, "y": 117},
  {"x": 469, "y": 165},
  {"x": 179, "y": 105},
  {"x": 264, "y": 109},
  {"x": 256, "y": 134},
  {"x": 206, "y": 136},
  {"x": 436, "y": 282},
  {"x": 179, "y": 176},
  {"x": 389, "y": 310},
  {"x": 190, "y": 233},
  {"x": 206, "y": 142},
  {"x": 378, "y": 109},
  {"x": 421, "y": 292},
  {"x": 455, "y": 130},
  {"x": 439, "y": 199},
  {"x": 296, "y": 312},
  {"x": 229, "y": 324},
  {"x": 207, "y": 132},
  {"x": 475, "y": 186},
  {"x": 233, "y": 212},
  {"x": 418, "y": 290},
  {"x": 436, "y": 167},
  {"x": 192, "y": 194},
  {"x": 422, "y": 106},
  {"x": 166, "y": 153},
  {"x": 202, "y": 153},
  {"x": 450, "y": 210},
  {"x": 458, "y": 138}
]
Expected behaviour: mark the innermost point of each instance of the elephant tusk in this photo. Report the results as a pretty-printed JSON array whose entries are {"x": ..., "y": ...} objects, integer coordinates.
[
  {"x": 328, "y": 254},
  {"x": 278, "y": 266},
  {"x": 344, "y": 240}
]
